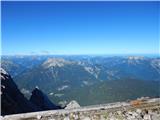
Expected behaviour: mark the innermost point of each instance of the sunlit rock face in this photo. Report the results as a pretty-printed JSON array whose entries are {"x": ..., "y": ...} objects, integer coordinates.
[
  {"x": 52, "y": 62},
  {"x": 73, "y": 104}
]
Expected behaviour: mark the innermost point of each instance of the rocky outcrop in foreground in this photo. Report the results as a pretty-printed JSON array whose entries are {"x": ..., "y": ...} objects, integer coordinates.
[
  {"x": 41, "y": 100},
  {"x": 72, "y": 105},
  {"x": 14, "y": 102},
  {"x": 134, "y": 110}
]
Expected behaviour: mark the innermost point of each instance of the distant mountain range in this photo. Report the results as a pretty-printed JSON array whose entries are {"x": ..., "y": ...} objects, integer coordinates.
[{"x": 87, "y": 79}]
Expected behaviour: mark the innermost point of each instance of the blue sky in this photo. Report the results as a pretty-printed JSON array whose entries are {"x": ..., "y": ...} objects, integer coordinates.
[{"x": 79, "y": 28}]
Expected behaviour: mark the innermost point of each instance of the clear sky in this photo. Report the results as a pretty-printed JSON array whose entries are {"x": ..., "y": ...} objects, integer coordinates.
[{"x": 79, "y": 27}]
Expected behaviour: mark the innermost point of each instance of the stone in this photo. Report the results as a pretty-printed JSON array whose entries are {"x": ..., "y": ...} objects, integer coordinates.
[
  {"x": 86, "y": 118},
  {"x": 134, "y": 114},
  {"x": 72, "y": 105},
  {"x": 102, "y": 117},
  {"x": 119, "y": 112},
  {"x": 155, "y": 117},
  {"x": 38, "y": 117},
  {"x": 66, "y": 118},
  {"x": 130, "y": 113},
  {"x": 1, "y": 118},
  {"x": 112, "y": 118},
  {"x": 147, "y": 117},
  {"x": 138, "y": 110}
]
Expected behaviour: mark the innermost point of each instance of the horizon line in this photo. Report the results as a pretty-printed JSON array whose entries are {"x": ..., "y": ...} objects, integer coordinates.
[{"x": 80, "y": 54}]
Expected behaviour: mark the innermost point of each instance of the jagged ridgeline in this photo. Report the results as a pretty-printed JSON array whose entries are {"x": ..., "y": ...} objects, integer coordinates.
[
  {"x": 13, "y": 101},
  {"x": 86, "y": 79}
]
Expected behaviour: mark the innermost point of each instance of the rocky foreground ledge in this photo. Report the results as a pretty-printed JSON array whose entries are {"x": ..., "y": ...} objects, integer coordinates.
[{"x": 135, "y": 110}]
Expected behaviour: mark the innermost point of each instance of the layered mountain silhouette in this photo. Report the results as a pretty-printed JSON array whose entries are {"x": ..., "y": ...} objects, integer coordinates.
[{"x": 13, "y": 101}]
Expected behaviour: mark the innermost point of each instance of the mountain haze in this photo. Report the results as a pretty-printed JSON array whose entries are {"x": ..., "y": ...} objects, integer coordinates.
[{"x": 98, "y": 79}]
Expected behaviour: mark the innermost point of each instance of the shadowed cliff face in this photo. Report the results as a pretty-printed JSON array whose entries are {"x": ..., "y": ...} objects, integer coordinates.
[
  {"x": 42, "y": 101},
  {"x": 12, "y": 100}
]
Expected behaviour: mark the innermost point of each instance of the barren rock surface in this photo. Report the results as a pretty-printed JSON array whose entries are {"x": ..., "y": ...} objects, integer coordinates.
[
  {"x": 73, "y": 104},
  {"x": 145, "y": 110}
]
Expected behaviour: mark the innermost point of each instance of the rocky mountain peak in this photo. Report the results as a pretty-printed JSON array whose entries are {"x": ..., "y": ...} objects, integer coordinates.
[
  {"x": 12, "y": 100},
  {"x": 3, "y": 71},
  {"x": 52, "y": 62},
  {"x": 135, "y": 57},
  {"x": 73, "y": 104},
  {"x": 3, "y": 74},
  {"x": 41, "y": 100}
]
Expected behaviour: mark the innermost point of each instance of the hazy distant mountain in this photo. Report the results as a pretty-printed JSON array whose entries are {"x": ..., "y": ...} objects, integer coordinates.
[
  {"x": 54, "y": 75},
  {"x": 17, "y": 64},
  {"x": 65, "y": 78}
]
